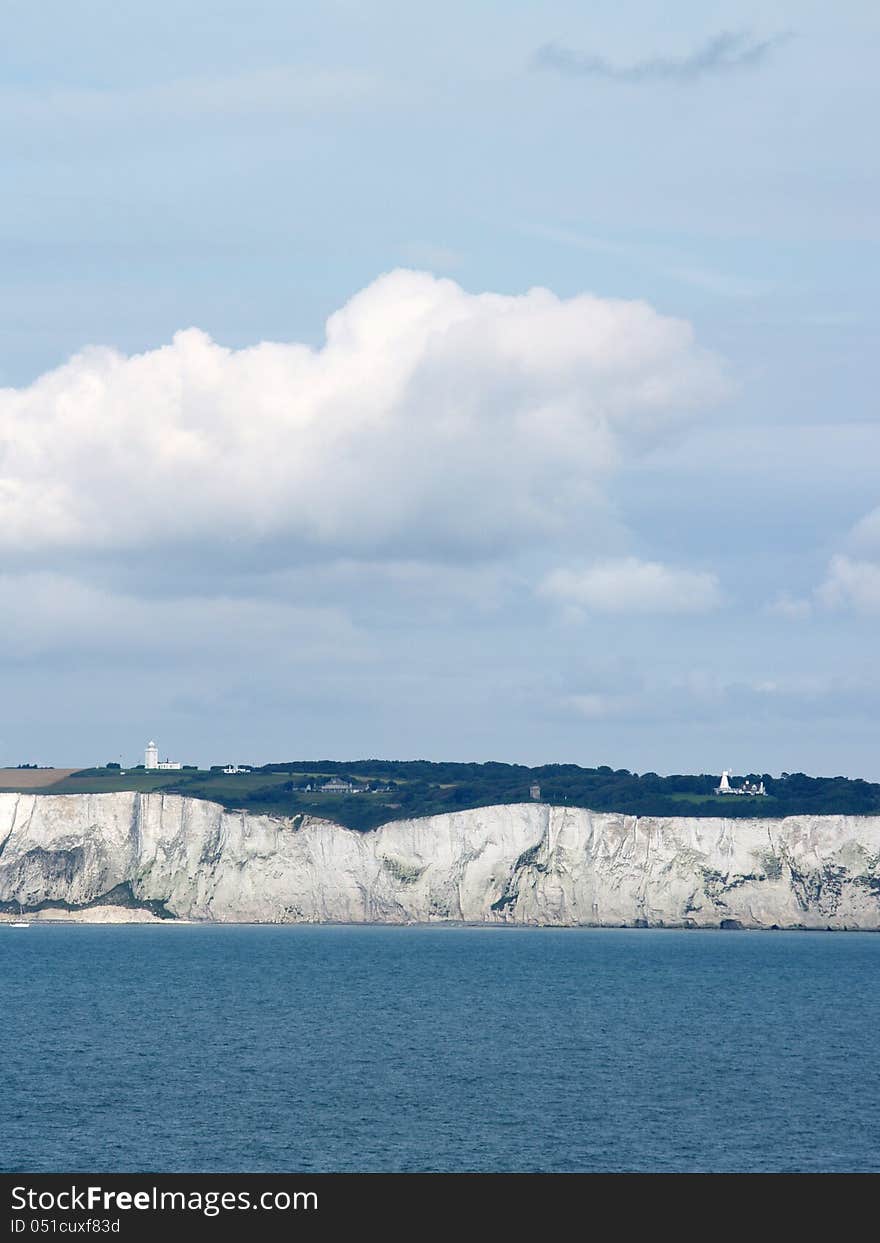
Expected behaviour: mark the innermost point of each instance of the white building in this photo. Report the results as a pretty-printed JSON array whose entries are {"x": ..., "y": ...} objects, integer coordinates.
[
  {"x": 336, "y": 786},
  {"x": 724, "y": 786},
  {"x": 152, "y": 761}
]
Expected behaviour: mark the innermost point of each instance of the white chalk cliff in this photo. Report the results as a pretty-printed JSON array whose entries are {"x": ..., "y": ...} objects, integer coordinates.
[{"x": 521, "y": 864}]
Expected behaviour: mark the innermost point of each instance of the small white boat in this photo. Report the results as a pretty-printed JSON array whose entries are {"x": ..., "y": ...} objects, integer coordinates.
[{"x": 21, "y": 922}]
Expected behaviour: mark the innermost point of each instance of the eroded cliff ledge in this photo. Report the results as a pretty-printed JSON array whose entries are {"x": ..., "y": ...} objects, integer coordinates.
[{"x": 521, "y": 864}]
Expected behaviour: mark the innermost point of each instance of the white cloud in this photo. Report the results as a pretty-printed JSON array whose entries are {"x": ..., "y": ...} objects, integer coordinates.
[
  {"x": 791, "y": 607},
  {"x": 628, "y": 585},
  {"x": 852, "y": 580},
  {"x": 851, "y": 584},
  {"x": 865, "y": 535},
  {"x": 598, "y": 707},
  {"x": 431, "y": 421}
]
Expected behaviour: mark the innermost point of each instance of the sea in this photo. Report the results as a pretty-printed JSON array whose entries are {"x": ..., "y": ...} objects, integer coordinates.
[{"x": 320, "y": 1048}]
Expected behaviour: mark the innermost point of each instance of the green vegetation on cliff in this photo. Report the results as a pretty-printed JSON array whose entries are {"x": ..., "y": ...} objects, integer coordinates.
[{"x": 402, "y": 789}]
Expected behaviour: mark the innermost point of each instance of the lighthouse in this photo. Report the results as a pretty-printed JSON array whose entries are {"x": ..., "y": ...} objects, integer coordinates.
[
  {"x": 152, "y": 761},
  {"x": 748, "y": 787}
]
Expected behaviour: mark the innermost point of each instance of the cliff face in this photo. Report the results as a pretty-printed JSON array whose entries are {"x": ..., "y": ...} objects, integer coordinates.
[{"x": 523, "y": 864}]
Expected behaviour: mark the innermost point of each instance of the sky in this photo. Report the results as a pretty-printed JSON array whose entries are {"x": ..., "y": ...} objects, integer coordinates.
[{"x": 462, "y": 382}]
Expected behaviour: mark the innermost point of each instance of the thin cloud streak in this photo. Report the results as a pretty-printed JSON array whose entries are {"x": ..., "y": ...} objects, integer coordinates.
[
  {"x": 726, "y": 52},
  {"x": 722, "y": 283}
]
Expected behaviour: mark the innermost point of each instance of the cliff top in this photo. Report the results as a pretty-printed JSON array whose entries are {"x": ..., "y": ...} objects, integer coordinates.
[{"x": 362, "y": 794}]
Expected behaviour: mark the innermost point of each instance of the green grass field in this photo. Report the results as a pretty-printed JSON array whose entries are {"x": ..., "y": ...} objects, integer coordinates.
[{"x": 721, "y": 801}]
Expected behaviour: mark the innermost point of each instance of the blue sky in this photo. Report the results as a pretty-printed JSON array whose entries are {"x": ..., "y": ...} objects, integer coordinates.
[{"x": 633, "y": 520}]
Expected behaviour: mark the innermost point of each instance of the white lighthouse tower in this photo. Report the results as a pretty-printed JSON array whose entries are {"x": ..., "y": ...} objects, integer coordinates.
[{"x": 151, "y": 755}]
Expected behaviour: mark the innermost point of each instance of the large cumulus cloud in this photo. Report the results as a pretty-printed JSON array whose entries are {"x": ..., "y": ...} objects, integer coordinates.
[{"x": 430, "y": 420}]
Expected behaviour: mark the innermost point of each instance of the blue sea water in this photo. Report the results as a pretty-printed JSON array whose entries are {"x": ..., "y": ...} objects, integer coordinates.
[{"x": 128, "y": 1048}]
